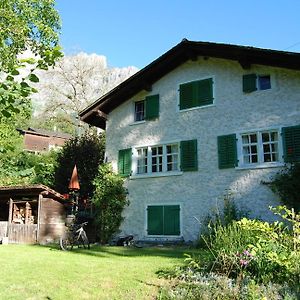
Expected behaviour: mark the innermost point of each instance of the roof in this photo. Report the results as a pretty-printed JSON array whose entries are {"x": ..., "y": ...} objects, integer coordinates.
[
  {"x": 33, "y": 189},
  {"x": 43, "y": 132},
  {"x": 96, "y": 113}
]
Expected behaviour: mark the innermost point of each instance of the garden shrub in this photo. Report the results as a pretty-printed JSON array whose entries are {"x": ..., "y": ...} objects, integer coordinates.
[
  {"x": 220, "y": 217},
  {"x": 249, "y": 259},
  {"x": 286, "y": 184},
  {"x": 109, "y": 199}
]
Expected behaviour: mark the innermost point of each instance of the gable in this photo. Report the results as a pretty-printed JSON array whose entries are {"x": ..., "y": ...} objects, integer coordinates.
[{"x": 96, "y": 113}]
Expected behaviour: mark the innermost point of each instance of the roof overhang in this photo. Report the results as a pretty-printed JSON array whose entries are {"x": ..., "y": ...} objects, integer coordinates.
[
  {"x": 30, "y": 190},
  {"x": 96, "y": 113}
]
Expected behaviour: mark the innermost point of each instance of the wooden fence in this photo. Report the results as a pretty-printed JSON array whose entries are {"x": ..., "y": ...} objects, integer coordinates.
[
  {"x": 22, "y": 233},
  {"x": 3, "y": 229}
]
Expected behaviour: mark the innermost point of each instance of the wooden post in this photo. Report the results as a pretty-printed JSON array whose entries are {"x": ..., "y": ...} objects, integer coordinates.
[
  {"x": 10, "y": 210},
  {"x": 39, "y": 217}
]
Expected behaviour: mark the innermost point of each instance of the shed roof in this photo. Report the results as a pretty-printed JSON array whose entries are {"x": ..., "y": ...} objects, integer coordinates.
[
  {"x": 47, "y": 133},
  {"x": 95, "y": 114},
  {"x": 30, "y": 190}
]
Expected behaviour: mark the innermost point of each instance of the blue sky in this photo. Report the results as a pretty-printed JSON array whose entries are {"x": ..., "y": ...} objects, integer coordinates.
[{"x": 135, "y": 32}]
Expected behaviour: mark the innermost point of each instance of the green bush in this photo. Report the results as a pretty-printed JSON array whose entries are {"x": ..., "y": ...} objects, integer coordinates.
[
  {"x": 220, "y": 217},
  {"x": 109, "y": 199},
  {"x": 245, "y": 259},
  {"x": 286, "y": 184}
]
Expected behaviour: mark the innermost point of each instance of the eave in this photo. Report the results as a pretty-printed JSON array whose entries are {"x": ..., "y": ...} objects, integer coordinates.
[{"x": 96, "y": 113}]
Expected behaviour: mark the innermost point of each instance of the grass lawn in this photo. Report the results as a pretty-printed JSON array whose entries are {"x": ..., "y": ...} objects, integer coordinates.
[{"x": 40, "y": 272}]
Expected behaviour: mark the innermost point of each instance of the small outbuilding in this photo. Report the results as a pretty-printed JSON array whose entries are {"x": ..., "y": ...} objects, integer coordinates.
[{"x": 31, "y": 214}]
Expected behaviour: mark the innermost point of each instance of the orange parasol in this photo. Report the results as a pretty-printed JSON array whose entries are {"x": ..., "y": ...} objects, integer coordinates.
[{"x": 74, "y": 182}]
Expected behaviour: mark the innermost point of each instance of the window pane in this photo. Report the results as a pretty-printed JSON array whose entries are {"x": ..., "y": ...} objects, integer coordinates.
[
  {"x": 139, "y": 111},
  {"x": 142, "y": 161},
  {"x": 264, "y": 82},
  {"x": 265, "y": 136},
  {"x": 253, "y": 149},
  {"x": 253, "y": 138},
  {"x": 274, "y": 136},
  {"x": 245, "y": 139}
]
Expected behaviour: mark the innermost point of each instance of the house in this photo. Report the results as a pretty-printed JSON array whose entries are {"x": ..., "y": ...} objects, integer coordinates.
[
  {"x": 31, "y": 214},
  {"x": 40, "y": 140},
  {"x": 202, "y": 119}
]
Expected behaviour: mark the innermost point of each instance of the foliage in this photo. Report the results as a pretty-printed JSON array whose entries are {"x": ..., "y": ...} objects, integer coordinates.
[
  {"x": 25, "y": 25},
  {"x": 247, "y": 257},
  {"x": 196, "y": 286},
  {"x": 224, "y": 216},
  {"x": 20, "y": 168},
  {"x": 286, "y": 184},
  {"x": 87, "y": 152},
  {"x": 109, "y": 200},
  {"x": 44, "y": 168}
]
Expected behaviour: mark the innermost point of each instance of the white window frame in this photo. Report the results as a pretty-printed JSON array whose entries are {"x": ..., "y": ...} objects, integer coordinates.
[
  {"x": 260, "y": 163},
  {"x": 150, "y": 173}
]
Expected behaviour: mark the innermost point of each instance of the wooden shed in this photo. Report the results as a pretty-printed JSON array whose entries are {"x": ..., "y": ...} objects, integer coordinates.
[{"x": 31, "y": 214}]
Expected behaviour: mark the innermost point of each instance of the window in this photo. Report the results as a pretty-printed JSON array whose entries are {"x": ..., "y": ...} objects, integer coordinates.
[
  {"x": 162, "y": 158},
  {"x": 264, "y": 82},
  {"x": 139, "y": 111},
  {"x": 196, "y": 94},
  {"x": 253, "y": 82},
  {"x": 147, "y": 109},
  {"x": 172, "y": 157},
  {"x": 259, "y": 147},
  {"x": 159, "y": 160},
  {"x": 142, "y": 160},
  {"x": 256, "y": 148},
  {"x": 163, "y": 220}
]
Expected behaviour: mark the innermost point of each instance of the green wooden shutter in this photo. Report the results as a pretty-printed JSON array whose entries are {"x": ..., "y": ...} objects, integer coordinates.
[
  {"x": 291, "y": 143},
  {"x": 189, "y": 155},
  {"x": 171, "y": 220},
  {"x": 204, "y": 92},
  {"x": 249, "y": 83},
  {"x": 196, "y": 93},
  {"x": 227, "y": 152},
  {"x": 124, "y": 162},
  {"x": 186, "y": 94},
  {"x": 152, "y": 107},
  {"x": 155, "y": 220}
]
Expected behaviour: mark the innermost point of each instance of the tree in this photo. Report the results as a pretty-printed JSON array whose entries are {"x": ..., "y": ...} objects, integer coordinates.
[
  {"x": 87, "y": 152},
  {"x": 25, "y": 25},
  {"x": 109, "y": 200},
  {"x": 74, "y": 83}
]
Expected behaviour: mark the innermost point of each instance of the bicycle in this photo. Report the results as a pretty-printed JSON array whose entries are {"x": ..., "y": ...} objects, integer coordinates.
[{"x": 74, "y": 236}]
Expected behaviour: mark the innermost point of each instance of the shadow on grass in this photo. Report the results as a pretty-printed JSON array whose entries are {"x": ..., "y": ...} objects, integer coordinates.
[{"x": 101, "y": 251}]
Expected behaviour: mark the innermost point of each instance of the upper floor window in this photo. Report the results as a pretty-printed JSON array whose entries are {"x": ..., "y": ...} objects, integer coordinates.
[
  {"x": 139, "y": 111},
  {"x": 147, "y": 109},
  {"x": 253, "y": 82},
  {"x": 196, "y": 93}
]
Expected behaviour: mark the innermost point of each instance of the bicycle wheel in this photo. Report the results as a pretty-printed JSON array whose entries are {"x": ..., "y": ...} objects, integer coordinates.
[
  {"x": 84, "y": 240},
  {"x": 66, "y": 243}
]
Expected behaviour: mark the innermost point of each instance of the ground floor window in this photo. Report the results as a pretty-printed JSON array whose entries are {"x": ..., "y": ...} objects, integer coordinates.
[{"x": 163, "y": 220}]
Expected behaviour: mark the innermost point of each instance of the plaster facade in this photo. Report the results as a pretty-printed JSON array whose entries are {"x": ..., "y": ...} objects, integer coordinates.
[{"x": 233, "y": 111}]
